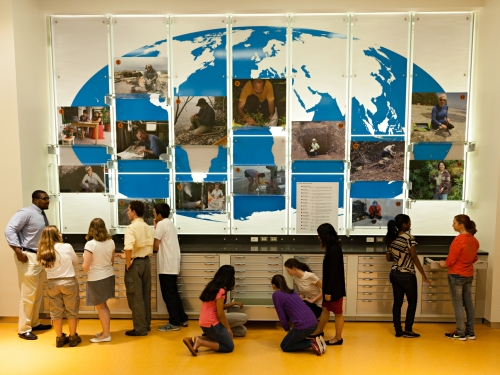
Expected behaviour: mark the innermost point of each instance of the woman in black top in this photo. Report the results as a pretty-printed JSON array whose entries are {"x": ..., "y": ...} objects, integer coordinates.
[{"x": 333, "y": 282}]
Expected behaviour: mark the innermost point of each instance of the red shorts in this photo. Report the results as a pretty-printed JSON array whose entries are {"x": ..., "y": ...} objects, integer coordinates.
[{"x": 334, "y": 306}]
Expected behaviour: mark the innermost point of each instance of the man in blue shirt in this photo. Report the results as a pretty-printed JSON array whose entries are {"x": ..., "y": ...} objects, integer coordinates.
[
  {"x": 154, "y": 145},
  {"x": 23, "y": 233}
]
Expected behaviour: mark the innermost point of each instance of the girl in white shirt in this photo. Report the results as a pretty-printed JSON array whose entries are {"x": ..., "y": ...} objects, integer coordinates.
[
  {"x": 308, "y": 283},
  {"x": 98, "y": 260},
  {"x": 59, "y": 259}
]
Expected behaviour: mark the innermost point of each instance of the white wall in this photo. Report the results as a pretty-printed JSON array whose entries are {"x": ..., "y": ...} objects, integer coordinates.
[{"x": 26, "y": 103}]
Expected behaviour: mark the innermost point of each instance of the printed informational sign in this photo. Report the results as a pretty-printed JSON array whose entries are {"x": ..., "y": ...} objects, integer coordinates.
[{"x": 317, "y": 203}]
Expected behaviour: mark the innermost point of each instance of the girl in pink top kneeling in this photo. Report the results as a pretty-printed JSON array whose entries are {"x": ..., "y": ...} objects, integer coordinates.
[{"x": 213, "y": 320}]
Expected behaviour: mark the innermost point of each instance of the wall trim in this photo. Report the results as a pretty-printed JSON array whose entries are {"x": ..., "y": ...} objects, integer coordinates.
[{"x": 492, "y": 325}]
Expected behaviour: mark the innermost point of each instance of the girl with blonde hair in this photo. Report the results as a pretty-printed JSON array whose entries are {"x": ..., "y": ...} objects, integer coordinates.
[
  {"x": 58, "y": 259},
  {"x": 98, "y": 260}
]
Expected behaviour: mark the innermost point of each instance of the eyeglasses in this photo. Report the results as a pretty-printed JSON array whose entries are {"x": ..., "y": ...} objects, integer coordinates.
[{"x": 44, "y": 199}]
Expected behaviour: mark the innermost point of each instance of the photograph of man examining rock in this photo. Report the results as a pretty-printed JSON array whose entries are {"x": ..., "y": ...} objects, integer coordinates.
[{"x": 203, "y": 121}]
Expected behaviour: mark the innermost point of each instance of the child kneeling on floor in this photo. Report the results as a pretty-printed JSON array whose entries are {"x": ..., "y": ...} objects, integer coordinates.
[
  {"x": 213, "y": 320},
  {"x": 59, "y": 259}
]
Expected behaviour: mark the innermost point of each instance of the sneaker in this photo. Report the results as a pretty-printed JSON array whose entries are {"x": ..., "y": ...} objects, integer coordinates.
[
  {"x": 470, "y": 337},
  {"x": 168, "y": 327},
  {"x": 410, "y": 335},
  {"x": 455, "y": 336},
  {"x": 184, "y": 324},
  {"x": 61, "y": 341},
  {"x": 316, "y": 347},
  {"x": 74, "y": 340},
  {"x": 320, "y": 340}
]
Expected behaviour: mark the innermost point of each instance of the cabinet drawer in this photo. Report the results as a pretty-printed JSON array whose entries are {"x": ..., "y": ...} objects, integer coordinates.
[
  {"x": 253, "y": 288},
  {"x": 256, "y": 259},
  {"x": 254, "y": 280},
  {"x": 190, "y": 293},
  {"x": 430, "y": 307},
  {"x": 200, "y": 266},
  {"x": 374, "y": 267},
  {"x": 192, "y": 304},
  {"x": 258, "y": 266},
  {"x": 440, "y": 289},
  {"x": 443, "y": 282},
  {"x": 377, "y": 296},
  {"x": 123, "y": 293},
  {"x": 310, "y": 259},
  {"x": 194, "y": 279},
  {"x": 375, "y": 288},
  {"x": 258, "y": 312},
  {"x": 436, "y": 297},
  {"x": 191, "y": 287},
  {"x": 369, "y": 279},
  {"x": 197, "y": 273},
  {"x": 373, "y": 259},
  {"x": 374, "y": 275},
  {"x": 481, "y": 265},
  {"x": 258, "y": 273},
  {"x": 239, "y": 294},
  {"x": 199, "y": 258},
  {"x": 379, "y": 307}
]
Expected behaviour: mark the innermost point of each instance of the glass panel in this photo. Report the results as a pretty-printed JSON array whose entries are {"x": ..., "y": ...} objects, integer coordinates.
[
  {"x": 433, "y": 217},
  {"x": 78, "y": 210}
]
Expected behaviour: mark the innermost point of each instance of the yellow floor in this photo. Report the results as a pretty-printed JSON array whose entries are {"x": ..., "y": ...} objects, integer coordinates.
[{"x": 369, "y": 348}]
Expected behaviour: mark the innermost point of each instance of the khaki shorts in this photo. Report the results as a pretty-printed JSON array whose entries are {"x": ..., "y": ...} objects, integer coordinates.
[{"x": 64, "y": 296}]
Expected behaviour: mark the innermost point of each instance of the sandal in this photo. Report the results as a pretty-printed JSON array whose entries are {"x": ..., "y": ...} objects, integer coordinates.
[{"x": 188, "y": 341}]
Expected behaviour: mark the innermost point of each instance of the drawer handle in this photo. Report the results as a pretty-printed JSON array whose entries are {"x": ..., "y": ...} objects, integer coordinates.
[
  {"x": 207, "y": 278},
  {"x": 239, "y": 257},
  {"x": 243, "y": 292},
  {"x": 209, "y": 264},
  {"x": 239, "y": 264},
  {"x": 367, "y": 286},
  {"x": 367, "y": 257},
  {"x": 431, "y": 301},
  {"x": 432, "y": 294},
  {"x": 274, "y": 257},
  {"x": 179, "y": 284},
  {"x": 303, "y": 257},
  {"x": 240, "y": 278},
  {"x": 367, "y": 279},
  {"x": 240, "y": 284},
  {"x": 367, "y": 293},
  {"x": 209, "y": 270},
  {"x": 366, "y": 300},
  {"x": 209, "y": 256},
  {"x": 273, "y": 271},
  {"x": 270, "y": 307},
  {"x": 367, "y": 271},
  {"x": 368, "y": 265},
  {"x": 273, "y": 264},
  {"x": 239, "y": 271}
]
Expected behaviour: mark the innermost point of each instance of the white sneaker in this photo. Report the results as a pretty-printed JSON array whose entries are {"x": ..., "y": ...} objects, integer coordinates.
[
  {"x": 104, "y": 339},
  {"x": 320, "y": 340}
]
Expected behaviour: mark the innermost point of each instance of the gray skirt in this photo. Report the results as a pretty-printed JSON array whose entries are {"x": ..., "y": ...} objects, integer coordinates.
[{"x": 100, "y": 291}]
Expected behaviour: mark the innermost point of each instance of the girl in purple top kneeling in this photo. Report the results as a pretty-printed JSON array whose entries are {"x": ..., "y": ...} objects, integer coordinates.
[{"x": 290, "y": 306}]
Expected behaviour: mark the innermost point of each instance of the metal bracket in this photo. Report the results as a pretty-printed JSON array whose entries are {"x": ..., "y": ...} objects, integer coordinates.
[
  {"x": 468, "y": 204},
  {"x": 110, "y": 150},
  {"x": 349, "y": 185},
  {"x": 408, "y": 204},
  {"x": 409, "y": 185},
  {"x": 112, "y": 164},
  {"x": 52, "y": 149},
  {"x": 54, "y": 197},
  {"x": 111, "y": 198},
  {"x": 347, "y": 164},
  {"x": 471, "y": 147},
  {"x": 110, "y": 100},
  {"x": 348, "y": 231},
  {"x": 113, "y": 230},
  {"x": 409, "y": 148}
]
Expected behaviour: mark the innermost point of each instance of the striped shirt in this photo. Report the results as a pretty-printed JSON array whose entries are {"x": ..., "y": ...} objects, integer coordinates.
[
  {"x": 307, "y": 286},
  {"x": 400, "y": 250},
  {"x": 291, "y": 307}
]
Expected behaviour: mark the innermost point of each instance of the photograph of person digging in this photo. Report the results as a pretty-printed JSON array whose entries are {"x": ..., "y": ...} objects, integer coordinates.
[
  {"x": 318, "y": 140},
  {"x": 377, "y": 161}
]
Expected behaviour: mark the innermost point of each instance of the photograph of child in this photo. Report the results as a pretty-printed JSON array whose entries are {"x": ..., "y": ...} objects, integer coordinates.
[
  {"x": 259, "y": 180},
  {"x": 436, "y": 179},
  {"x": 140, "y": 140},
  {"x": 259, "y": 102},
  {"x": 83, "y": 126},
  {"x": 377, "y": 161},
  {"x": 374, "y": 212},
  {"x": 148, "y": 213},
  {"x": 195, "y": 196},
  {"x": 82, "y": 179},
  {"x": 438, "y": 117},
  {"x": 140, "y": 75},
  {"x": 200, "y": 120},
  {"x": 320, "y": 140}
]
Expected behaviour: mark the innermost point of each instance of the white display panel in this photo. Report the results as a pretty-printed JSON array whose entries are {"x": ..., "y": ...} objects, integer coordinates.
[
  {"x": 319, "y": 78},
  {"x": 441, "y": 48},
  {"x": 202, "y": 223},
  {"x": 78, "y": 210},
  {"x": 433, "y": 217},
  {"x": 80, "y": 51}
]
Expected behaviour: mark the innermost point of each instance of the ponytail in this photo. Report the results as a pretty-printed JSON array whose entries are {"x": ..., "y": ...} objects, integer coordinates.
[
  {"x": 279, "y": 282},
  {"x": 469, "y": 225},
  {"x": 394, "y": 226},
  {"x": 294, "y": 263}
]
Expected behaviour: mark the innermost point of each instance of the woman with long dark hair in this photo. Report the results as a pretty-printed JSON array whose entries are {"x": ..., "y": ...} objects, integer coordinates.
[
  {"x": 289, "y": 307},
  {"x": 213, "y": 320},
  {"x": 308, "y": 283},
  {"x": 402, "y": 252},
  {"x": 333, "y": 282},
  {"x": 460, "y": 260}
]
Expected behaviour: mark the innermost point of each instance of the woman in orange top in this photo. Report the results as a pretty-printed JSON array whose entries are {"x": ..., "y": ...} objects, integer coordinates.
[{"x": 462, "y": 256}]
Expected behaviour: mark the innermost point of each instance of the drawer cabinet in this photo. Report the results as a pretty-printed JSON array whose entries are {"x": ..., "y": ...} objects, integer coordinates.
[{"x": 374, "y": 287}]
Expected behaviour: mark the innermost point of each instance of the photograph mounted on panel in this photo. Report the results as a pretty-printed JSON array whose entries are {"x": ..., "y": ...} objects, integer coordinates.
[
  {"x": 196, "y": 196},
  {"x": 436, "y": 180},
  {"x": 259, "y": 102},
  {"x": 320, "y": 140},
  {"x": 141, "y": 75},
  {"x": 83, "y": 126},
  {"x": 200, "y": 120},
  {"x": 82, "y": 179},
  {"x": 438, "y": 117},
  {"x": 141, "y": 140},
  {"x": 374, "y": 212},
  {"x": 148, "y": 213},
  {"x": 259, "y": 180},
  {"x": 377, "y": 161}
]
